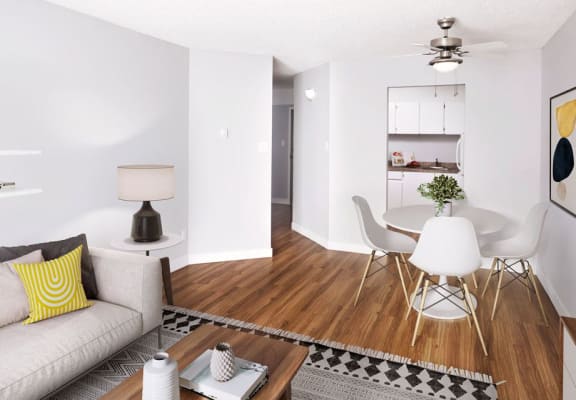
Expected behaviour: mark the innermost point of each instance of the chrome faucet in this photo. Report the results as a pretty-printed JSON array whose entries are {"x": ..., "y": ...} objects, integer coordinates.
[{"x": 436, "y": 163}]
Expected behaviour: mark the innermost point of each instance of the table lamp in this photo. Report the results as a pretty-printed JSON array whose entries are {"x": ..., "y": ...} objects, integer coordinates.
[{"x": 146, "y": 183}]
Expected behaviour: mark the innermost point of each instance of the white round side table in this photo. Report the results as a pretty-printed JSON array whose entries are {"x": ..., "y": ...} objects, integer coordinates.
[{"x": 167, "y": 240}]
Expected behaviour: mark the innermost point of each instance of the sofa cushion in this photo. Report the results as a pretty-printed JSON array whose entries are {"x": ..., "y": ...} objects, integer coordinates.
[
  {"x": 53, "y": 287},
  {"x": 52, "y": 250},
  {"x": 13, "y": 301},
  {"x": 39, "y": 358}
]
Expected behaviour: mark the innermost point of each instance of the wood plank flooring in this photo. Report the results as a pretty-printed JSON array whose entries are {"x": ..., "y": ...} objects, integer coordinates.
[{"x": 307, "y": 289}]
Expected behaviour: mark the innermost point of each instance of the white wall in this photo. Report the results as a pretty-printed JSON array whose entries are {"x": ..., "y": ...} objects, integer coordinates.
[
  {"x": 283, "y": 96},
  {"x": 502, "y": 145},
  {"x": 281, "y": 154},
  {"x": 92, "y": 96},
  {"x": 557, "y": 254},
  {"x": 425, "y": 147},
  {"x": 230, "y": 189},
  {"x": 311, "y": 145}
]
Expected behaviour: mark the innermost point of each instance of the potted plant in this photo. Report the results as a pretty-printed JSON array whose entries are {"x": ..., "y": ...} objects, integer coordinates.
[{"x": 442, "y": 190}]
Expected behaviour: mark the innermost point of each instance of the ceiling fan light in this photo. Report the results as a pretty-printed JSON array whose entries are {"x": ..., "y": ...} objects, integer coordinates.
[{"x": 446, "y": 65}]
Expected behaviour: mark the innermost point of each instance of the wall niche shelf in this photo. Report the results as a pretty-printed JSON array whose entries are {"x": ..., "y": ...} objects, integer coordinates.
[
  {"x": 20, "y": 152},
  {"x": 423, "y": 134},
  {"x": 19, "y": 191}
]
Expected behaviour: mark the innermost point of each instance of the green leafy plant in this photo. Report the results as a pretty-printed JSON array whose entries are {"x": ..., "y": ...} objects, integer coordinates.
[{"x": 442, "y": 189}]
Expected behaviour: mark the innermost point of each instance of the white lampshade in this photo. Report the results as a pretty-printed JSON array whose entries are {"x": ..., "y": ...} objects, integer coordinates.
[
  {"x": 146, "y": 182},
  {"x": 446, "y": 65}
]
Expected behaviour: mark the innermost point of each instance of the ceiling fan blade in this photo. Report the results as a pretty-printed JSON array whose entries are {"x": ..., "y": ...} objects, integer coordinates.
[
  {"x": 426, "y": 46},
  {"x": 406, "y": 55},
  {"x": 486, "y": 47}
]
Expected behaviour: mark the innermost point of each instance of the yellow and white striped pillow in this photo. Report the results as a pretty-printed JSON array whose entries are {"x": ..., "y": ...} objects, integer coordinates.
[{"x": 53, "y": 287}]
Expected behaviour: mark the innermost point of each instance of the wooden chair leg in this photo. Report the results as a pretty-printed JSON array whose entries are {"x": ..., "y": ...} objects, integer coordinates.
[
  {"x": 527, "y": 274},
  {"x": 473, "y": 312},
  {"x": 535, "y": 285},
  {"x": 466, "y": 304},
  {"x": 364, "y": 276},
  {"x": 494, "y": 260},
  {"x": 402, "y": 279},
  {"x": 422, "y": 301},
  {"x": 474, "y": 280},
  {"x": 414, "y": 293},
  {"x": 406, "y": 267},
  {"x": 500, "y": 275}
]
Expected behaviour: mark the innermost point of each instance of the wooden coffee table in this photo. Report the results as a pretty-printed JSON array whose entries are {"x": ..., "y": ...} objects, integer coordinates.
[{"x": 283, "y": 360}]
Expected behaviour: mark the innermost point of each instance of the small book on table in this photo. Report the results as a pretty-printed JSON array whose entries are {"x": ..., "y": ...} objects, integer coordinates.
[{"x": 249, "y": 378}]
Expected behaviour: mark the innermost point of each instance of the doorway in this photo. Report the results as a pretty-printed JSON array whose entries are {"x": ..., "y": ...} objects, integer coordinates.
[{"x": 282, "y": 159}]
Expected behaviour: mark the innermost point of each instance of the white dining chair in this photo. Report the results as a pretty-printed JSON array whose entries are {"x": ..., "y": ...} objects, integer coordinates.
[
  {"x": 380, "y": 239},
  {"x": 512, "y": 255},
  {"x": 447, "y": 247}
]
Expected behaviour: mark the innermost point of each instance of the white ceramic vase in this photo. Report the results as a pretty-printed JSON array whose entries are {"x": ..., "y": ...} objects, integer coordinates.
[
  {"x": 223, "y": 362},
  {"x": 160, "y": 380},
  {"x": 445, "y": 211}
]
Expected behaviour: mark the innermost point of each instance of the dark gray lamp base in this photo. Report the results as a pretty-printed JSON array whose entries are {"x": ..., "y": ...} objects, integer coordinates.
[{"x": 146, "y": 224}]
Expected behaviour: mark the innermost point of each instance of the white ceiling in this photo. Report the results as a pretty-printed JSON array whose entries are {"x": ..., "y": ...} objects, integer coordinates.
[{"x": 301, "y": 34}]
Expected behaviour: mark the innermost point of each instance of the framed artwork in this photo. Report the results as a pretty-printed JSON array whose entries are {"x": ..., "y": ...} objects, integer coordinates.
[{"x": 562, "y": 143}]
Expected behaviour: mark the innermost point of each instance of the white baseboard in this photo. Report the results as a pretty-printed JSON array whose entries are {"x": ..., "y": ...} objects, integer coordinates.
[
  {"x": 322, "y": 241},
  {"x": 224, "y": 256},
  {"x": 561, "y": 309},
  {"x": 313, "y": 236},
  {"x": 179, "y": 262},
  {"x": 277, "y": 200}
]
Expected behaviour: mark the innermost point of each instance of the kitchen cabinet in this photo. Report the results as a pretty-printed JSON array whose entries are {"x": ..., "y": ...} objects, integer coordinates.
[
  {"x": 432, "y": 118},
  {"x": 403, "y": 117},
  {"x": 411, "y": 181},
  {"x": 454, "y": 117},
  {"x": 403, "y": 187},
  {"x": 434, "y": 110},
  {"x": 395, "y": 192}
]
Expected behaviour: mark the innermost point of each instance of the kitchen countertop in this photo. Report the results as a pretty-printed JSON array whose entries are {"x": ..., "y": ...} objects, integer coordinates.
[{"x": 451, "y": 168}]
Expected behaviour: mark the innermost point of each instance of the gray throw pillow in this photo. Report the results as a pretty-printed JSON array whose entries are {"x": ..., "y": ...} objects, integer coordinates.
[
  {"x": 52, "y": 250},
  {"x": 14, "y": 305}
]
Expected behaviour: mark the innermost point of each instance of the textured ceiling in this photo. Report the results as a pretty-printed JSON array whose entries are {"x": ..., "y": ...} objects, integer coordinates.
[{"x": 301, "y": 34}]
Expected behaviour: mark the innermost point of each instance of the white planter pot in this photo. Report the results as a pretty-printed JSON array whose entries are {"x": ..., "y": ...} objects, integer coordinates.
[{"x": 445, "y": 211}]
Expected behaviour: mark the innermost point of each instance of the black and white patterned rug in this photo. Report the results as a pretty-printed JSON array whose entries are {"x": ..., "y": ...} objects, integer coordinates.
[{"x": 333, "y": 371}]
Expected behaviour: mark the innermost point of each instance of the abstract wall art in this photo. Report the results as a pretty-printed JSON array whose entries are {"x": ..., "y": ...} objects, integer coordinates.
[{"x": 562, "y": 143}]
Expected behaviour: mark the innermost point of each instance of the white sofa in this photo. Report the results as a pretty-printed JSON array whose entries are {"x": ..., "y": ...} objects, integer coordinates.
[{"x": 39, "y": 358}]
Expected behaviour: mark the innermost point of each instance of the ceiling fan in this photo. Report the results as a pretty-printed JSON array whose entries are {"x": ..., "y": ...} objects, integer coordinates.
[{"x": 448, "y": 50}]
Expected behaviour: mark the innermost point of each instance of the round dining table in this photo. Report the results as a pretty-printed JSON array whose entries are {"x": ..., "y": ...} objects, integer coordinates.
[{"x": 411, "y": 219}]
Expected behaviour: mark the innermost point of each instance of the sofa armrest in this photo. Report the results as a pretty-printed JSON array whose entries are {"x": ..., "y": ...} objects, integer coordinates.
[{"x": 130, "y": 280}]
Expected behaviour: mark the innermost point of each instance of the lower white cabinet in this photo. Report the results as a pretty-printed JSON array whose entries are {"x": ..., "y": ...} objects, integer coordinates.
[
  {"x": 410, "y": 195},
  {"x": 403, "y": 187},
  {"x": 395, "y": 188}
]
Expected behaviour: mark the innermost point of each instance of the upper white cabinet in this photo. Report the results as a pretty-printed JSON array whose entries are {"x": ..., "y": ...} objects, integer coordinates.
[
  {"x": 454, "y": 117},
  {"x": 432, "y": 117},
  {"x": 426, "y": 110},
  {"x": 403, "y": 117}
]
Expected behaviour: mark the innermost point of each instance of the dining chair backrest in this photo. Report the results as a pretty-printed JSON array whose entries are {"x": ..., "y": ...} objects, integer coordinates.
[
  {"x": 368, "y": 225},
  {"x": 531, "y": 231},
  {"x": 447, "y": 246}
]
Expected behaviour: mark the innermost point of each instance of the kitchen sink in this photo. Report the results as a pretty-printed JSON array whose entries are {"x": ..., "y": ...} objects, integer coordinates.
[{"x": 437, "y": 168}]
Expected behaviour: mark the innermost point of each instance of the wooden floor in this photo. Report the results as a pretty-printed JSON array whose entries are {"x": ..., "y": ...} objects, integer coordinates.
[{"x": 307, "y": 289}]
